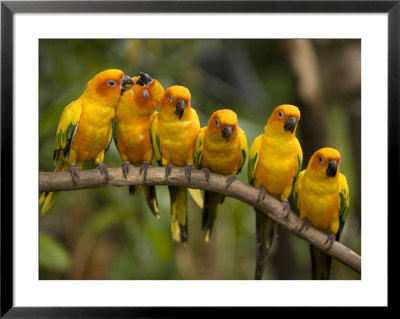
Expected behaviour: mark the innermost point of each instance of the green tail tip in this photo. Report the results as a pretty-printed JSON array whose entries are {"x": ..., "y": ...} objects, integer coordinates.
[
  {"x": 207, "y": 235},
  {"x": 47, "y": 199}
]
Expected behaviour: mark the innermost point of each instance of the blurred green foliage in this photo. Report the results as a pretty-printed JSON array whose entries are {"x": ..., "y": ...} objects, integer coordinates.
[
  {"x": 106, "y": 234},
  {"x": 52, "y": 254}
]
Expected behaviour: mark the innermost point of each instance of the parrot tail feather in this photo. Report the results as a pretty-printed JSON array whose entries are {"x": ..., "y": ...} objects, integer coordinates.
[
  {"x": 209, "y": 213},
  {"x": 265, "y": 234},
  {"x": 151, "y": 199},
  {"x": 133, "y": 190},
  {"x": 321, "y": 264},
  {"x": 184, "y": 234},
  {"x": 47, "y": 199},
  {"x": 207, "y": 235},
  {"x": 150, "y": 195},
  {"x": 179, "y": 213},
  {"x": 196, "y": 196}
]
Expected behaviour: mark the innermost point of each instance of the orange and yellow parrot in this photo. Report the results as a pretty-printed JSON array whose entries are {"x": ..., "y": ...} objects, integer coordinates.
[
  {"x": 133, "y": 116},
  {"x": 85, "y": 130},
  {"x": 321, "y": 196},
  {"x": 174, "y": 130},
  {"x": 221, "y": 147},
  {"x": 274, "y": 162}
]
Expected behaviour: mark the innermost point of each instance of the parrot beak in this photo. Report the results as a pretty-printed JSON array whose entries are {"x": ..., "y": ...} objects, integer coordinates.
[
  {"x": 331, "y": 169},
  {"x": 144, "y": 79},
  {"x": 180, "y": 108},
  {"x": 290, "y": 124},
  {"x": 126, "y": 83},
  {"x": 227, "y": 132}
]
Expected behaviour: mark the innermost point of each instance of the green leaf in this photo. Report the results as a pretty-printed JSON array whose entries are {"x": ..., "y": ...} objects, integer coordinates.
[{"x": 52, "y": 255}]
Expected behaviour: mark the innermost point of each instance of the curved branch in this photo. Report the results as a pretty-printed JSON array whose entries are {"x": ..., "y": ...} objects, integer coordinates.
[{"x": 62, "y": 181}]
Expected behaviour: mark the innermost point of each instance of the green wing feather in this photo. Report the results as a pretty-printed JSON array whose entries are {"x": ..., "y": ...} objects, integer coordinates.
[
  {"x": 297, "y": 186},
  {"x": 66, "y": 129},
  {"x": 344, "y": 203},
  {"x": 197, "y": 194},
  {"x": 155, "y": 140},
  {"x": 243, "y": 148},
  {"x": 198, "y": 147},
  {"x": 299, "y": 156},
  {"x": 253, "y": 159},
  {"x": 299, "y": 174}
]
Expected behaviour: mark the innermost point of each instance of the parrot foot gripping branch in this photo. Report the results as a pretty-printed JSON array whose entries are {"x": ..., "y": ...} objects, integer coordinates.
[
  {"x": 61, "y": 181},
  {"x": 115, "y": 107}
]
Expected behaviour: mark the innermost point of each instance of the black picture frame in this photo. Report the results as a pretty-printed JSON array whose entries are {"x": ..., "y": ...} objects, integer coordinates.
[{"x": 9, "y": 8}]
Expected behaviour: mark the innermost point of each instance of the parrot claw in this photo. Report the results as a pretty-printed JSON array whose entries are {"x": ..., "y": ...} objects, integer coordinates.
[
  {"x": 74, "y": 171},
  {"x": 286, "y": 207},
  {"x": 168, "y": 169},
  {"x": 206, "y": 171},
  {"x": 125, "y": 168},
  {"x": 306, "y": 224},
  {"x": 188, "y": 170},
  {"x": 144, "y": 168},
  {"x": 230, "y": 179},
  {"x": 104, "y": 170},
  {"x": 331, "y": 240},
  {"x": 261, "y": 194}
]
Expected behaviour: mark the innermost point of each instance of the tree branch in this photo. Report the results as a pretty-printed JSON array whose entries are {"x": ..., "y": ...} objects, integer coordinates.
[{"x": 62, "y": 181}]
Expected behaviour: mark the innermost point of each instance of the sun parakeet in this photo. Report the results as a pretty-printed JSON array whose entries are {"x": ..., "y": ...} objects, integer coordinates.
[
  {"x": 174, "y": 130},
  {"x": 274, "y": 162},
  {"x": 133, "y": 116},
  {"x": 321, "y": 195},
  {"x": 221, "y": 147},
  {"x": 85, "y": 130}
]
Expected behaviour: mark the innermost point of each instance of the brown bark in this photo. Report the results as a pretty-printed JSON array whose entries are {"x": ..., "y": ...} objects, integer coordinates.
[{"x": 62, "y": 181}]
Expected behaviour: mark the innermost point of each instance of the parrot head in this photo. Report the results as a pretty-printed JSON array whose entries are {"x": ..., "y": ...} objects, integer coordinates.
[
  {"x": 109, "y": 85},
  {"x": 177, "y": 99},
  {"x": 285, "y": 117},
  {"x": 145, "y": 95},
  {"x": 325, "y": 163},
  {"x": 223, "y": 123}
]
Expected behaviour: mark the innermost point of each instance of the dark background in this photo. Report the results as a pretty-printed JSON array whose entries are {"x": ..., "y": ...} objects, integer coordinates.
[{"x": 105, "y": 234}]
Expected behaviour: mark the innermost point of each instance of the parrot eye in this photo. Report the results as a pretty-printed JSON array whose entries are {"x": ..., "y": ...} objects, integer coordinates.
[
  {"x": 170, "y": 98},
  {"x": 111, "y": 83},
  {"x": 321, "y": 160},
  {"x": 217, "y": 122},
  {"x": 146, "y": 94},
  {"x": 280, "y": 114}
]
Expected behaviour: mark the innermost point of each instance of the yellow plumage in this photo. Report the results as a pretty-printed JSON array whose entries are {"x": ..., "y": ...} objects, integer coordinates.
[
  {"x": 274, "y": 162},
  {"x": 133, "y": 117},
  {"x": 276, "y": 155},
  {"x": 323, "y": 200},
  {"x": 220, "y": 147},
  {"x": 321, "y": 195},
  {"x": 174, "y": 130},
  {"x": 84, "y": 131}
]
